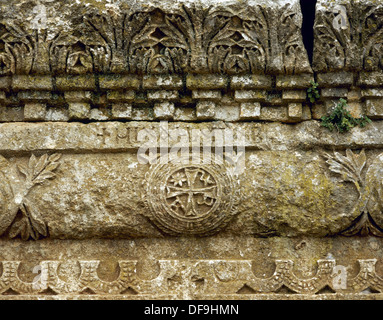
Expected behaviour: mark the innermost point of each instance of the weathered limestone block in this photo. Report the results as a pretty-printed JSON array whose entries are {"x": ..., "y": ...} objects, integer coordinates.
[
  {"x": 163, "y": 95},
  {"x": 250, "y": 110},
  {"x": 286, "y": 190},
  {"x": 370, "y": 79},
  {"x": 295, "y": 268},
  {"x": 213, "y": 95},
  {"x": 335, "y": 79},
  {"x": 374, "y": 108},
  {"x": 121, "y": 111},
  {"x": 250, "y": 95},
  {"x": 294, "y": 95},
  {"x": 119, "y": 82},
  {"x": 334, "y": 93},
  {"x": 34, "y": 111},
  {"x": 251, "y": 82},
  {"x": 162, "y": 82},
  {"x": 76, "y": 83},
  {"x": 120, "y": 96},
  {"x": 164, "y": 110},
  {"x": 24, "y": 82},
  {"x": 79, "y": 110},
  {"x": 227, "y": 112},
  {"x": 295, "y": 110},
  {"x": 57, "y": 114},
  {"x": 301, "y": 81},
  {"x": 205, "y": 110}
]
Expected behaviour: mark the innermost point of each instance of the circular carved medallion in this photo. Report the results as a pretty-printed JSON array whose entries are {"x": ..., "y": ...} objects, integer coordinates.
[{"x": 190, "y": 199}]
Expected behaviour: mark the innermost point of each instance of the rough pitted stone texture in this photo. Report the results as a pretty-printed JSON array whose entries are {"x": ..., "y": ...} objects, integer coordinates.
[{"x": 170, "y": 150}]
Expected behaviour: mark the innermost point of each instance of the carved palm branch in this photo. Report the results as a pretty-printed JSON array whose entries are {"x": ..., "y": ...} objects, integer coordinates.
[
  {"x": 39, "y": 170},
  {"x": 30, "y": 223},
  {"x": 349, "y": 167},
  {"x": 8, "y": 207}
]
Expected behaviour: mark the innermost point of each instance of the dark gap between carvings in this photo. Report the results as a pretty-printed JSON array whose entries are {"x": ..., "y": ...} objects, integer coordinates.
[{"x": 308, "y": 12}]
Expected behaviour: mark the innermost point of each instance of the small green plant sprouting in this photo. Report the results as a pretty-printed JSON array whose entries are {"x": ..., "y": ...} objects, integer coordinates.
[
  {"x": 313, "y": 92},
  {"x": 342, "y": 120}
]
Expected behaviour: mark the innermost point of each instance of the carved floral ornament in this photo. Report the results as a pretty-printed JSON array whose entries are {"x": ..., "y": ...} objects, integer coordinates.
[
  {"x": 369, "y": 186},
  {"x": 194, "y": 277},
  {"x": 19, "y": 217},
  {"x": 191, "y": 38},
  {"x": 348, "y": 36},
  {"x": 183, "y": 198},
  {"x": 191, "y": 199}
]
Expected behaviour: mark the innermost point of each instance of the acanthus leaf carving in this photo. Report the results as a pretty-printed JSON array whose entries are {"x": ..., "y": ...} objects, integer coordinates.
[
  {"x": 111, "y": 29},
  {"x": 356, "y": 45},
  {"x": 16, "y": 50},
  {"x": 330, "y": 52},
  {"x": 159, "y": 47},
  {"x": 190, "y": 38},
  {"x": 295, "y": 59}
]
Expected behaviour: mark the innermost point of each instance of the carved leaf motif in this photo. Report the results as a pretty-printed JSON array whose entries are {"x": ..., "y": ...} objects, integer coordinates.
[
  {"x": 41, "y": 169},
  {"x": 356, "y": 46},
  {"x": 349, "y": 167},
  {"x": 369, "y": 206},
  {"x": 111, "y": 31},
  {"x": 31, "y": 224},
  {"x": 330, "y": 51},
  {"x": 159, "y": 46},
  {"x": 8, "y": 208},
  {"x": 18, "y": 51},
  {"x": 21, "y": 228},
  {"x": 371, "y": 198}
]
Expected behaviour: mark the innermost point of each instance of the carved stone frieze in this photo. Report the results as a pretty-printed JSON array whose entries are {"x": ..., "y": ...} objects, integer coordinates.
[
  {"x": 179, "y": 149},
  {"x": 169, "y": 38},
  {"x": 187, "y": 279},
  {"x": 106, "y": 191}
]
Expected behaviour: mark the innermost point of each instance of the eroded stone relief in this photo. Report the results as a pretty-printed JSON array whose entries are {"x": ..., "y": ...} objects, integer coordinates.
[
  {"x": 17, "y": 211},
  {"x": 196, "y": 278},
  {"x": 196, "y": 38},
  {"x": 268, "y": 204}
]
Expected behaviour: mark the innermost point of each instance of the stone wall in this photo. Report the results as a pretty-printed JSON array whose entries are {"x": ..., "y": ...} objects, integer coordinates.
[{"x": 170, "y": 150}]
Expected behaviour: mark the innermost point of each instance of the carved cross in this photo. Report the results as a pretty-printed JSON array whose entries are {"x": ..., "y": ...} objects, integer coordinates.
[{"x": 191, "y": 189}]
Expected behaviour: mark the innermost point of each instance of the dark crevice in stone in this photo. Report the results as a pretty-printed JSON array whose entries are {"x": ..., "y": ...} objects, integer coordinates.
[
  {"x": 10, "y": 292},
  {"x": 49, "y": 291},
  {"x": 245, "y": 289},
  {"x": 308, "y": 12},
  {"x": 326, "y": 290},
  {"x": 129, "y": 291}
]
